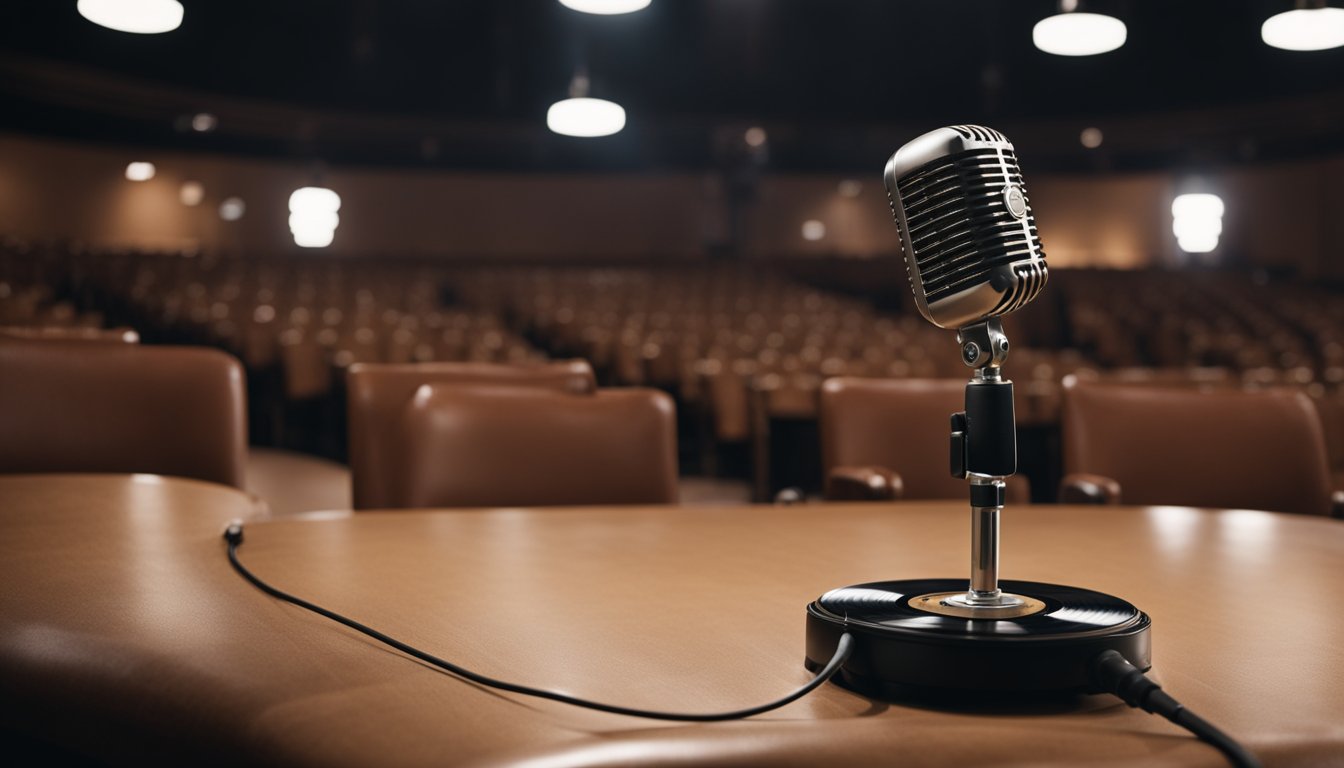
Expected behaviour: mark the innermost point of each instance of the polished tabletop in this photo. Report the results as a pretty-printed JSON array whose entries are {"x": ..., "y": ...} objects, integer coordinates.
[{"x": 124, "y": 633}]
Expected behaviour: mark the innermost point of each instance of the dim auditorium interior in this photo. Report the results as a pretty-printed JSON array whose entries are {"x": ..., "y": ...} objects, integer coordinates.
[{"x": 672, "y": 383}]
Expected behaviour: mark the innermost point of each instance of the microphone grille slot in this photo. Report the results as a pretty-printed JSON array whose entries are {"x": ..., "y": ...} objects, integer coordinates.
[
  {"x": 959, "y": 228},
  {"x": 909, "y": 272},
  {"x": 979, "y": 133},
  {"x": 1031, "y": 278}
]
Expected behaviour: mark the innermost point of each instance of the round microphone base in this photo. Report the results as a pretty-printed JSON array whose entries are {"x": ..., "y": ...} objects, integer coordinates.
[{"x": 911, "y": 644}]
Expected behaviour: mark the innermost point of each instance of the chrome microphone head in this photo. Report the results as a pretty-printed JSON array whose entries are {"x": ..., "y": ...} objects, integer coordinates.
[{"x": 969, "y": 240}]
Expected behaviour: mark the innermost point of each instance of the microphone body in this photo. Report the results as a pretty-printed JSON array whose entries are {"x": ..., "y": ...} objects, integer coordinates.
[{"x": 968, "y": 236}]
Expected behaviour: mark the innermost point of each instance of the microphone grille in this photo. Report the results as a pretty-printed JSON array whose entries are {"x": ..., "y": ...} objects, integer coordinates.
[{"x": 960, "y": 222}]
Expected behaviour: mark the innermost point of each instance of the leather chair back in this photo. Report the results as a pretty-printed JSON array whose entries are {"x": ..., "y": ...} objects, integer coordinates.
[
  {"x": 1221, "y": 448},
  {"x": 473, "y": 446},
  {"x": 75, "y": 406},
  {"x": 899, "y": 424},
  {"x": 377, "y": 395}
]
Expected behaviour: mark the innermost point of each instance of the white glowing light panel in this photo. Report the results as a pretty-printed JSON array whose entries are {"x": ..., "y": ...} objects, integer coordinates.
[
  {"x": 585, "y": 117},
  {"x": 313, "y": 216},
  {"x": 1197, "y": 222},
  {"x": 1079, "y": 34},
  {"x": 142, "y": 17},
  {"x": 1305, "y": 29},
  {"x": 606, "y": 7},
  {"x": 140, "y": 171}
]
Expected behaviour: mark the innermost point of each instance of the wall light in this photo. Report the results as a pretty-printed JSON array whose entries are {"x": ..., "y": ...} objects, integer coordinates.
[
  {"x": 606, "y": 7},
  {"x": 204, "y": 122},
  {"x": 1070, "y": 33},
  {"x": 313, "y": 216},
  {"x": 1197, "y": 221},
  {"x": 1091, "y": 137},
  {"x": 140, "y": 171},
  {"x": 142, "y": 17},
  {"x": 850, "y": 188},
  {"x": 814, "y": 230},
  {"x": 232, "y": 209},
  {"x": 1305, "y": 29},
  {"x": 191, "y": 193}
]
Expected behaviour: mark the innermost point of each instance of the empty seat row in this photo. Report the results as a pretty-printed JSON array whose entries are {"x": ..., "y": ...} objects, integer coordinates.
[
  {"x": 431, "y": 435},
  {"x": 487, "y": 435}
]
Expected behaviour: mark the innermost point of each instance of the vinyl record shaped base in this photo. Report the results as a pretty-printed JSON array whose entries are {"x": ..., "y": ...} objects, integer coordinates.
[{"x": 905, "y": 652}]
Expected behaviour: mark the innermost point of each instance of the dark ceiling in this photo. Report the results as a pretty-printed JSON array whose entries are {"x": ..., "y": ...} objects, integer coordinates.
[{"x": 836, "y": 83}]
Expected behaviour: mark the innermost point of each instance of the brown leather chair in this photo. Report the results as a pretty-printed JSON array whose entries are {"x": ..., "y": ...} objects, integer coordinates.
[
  {"x": 493, "y": 446},
  {"x": 75, "y": 406},
  {"x": 1221, "y": 448},
  {"x": 377, "y": 394},
  {"x": 885, "y": 439}
]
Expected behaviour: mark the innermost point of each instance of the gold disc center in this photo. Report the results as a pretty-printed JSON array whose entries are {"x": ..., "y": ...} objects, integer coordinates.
[{"x": 936, "y": 602}]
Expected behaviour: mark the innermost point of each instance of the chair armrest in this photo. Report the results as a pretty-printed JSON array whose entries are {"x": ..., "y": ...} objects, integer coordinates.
[
  {"x": 1337, "y": 505},
  {"x": 1083, "y": 488},
  {"x": 863, "y": 484}
]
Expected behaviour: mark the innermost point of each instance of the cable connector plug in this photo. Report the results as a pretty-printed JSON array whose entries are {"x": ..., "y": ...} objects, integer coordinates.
[
  {"x": 1113, "y": 673},
  {"x": 233, "y": 532}
]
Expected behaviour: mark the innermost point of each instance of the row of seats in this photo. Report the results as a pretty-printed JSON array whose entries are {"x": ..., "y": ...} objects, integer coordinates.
[
  {"x": 1123, "y": 443},
  {"x": 743, "y": 350},
  {"x": 436, "y": 435},
  {"x": 425, "y": 435}
]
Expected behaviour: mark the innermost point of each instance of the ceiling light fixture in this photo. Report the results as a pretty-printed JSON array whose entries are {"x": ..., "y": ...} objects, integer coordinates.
[
  {"x": 140, "y": 171},
  {"x": 582, "y": 116},
  {"x": 1311, "y": 27},
  {"x": 813, "y": 230},
  {"x": 142, "y": 17},
  {"x": 1091, "y": 137},
  {"x": 1070, "y": 33},
  {"x": 606, "y": 7},
  {"x": 204, "y": 122}
]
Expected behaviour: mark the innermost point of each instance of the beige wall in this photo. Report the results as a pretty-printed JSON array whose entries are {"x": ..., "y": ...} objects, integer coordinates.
[
  {"x": 50, "y": 189},
  {"x": 1277, "y": 214}
]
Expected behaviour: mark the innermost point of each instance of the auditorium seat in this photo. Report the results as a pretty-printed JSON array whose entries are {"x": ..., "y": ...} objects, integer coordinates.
[
  {"x": 377, "y": 394},
  {"x": 504, "y": 446},
  {"x": 888, "y": 439},
  {"x": 1218, "y": 448},
  {"x": 72, "y": 406}
]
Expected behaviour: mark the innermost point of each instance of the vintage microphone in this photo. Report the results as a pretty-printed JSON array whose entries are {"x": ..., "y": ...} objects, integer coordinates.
[{"x": 972, "y": 254}]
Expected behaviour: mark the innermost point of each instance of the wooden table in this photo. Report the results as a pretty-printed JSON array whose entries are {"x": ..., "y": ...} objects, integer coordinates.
[{"x": 124, "y": 634}]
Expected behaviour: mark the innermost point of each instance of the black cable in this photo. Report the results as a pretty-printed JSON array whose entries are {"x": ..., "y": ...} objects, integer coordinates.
[
  {"x": 1113, "y": 673},
  {"x": 233, "y": 534}
]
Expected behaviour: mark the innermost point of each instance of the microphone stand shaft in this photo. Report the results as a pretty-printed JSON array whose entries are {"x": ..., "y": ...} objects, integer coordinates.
[{"x": 985, "y": 553}]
